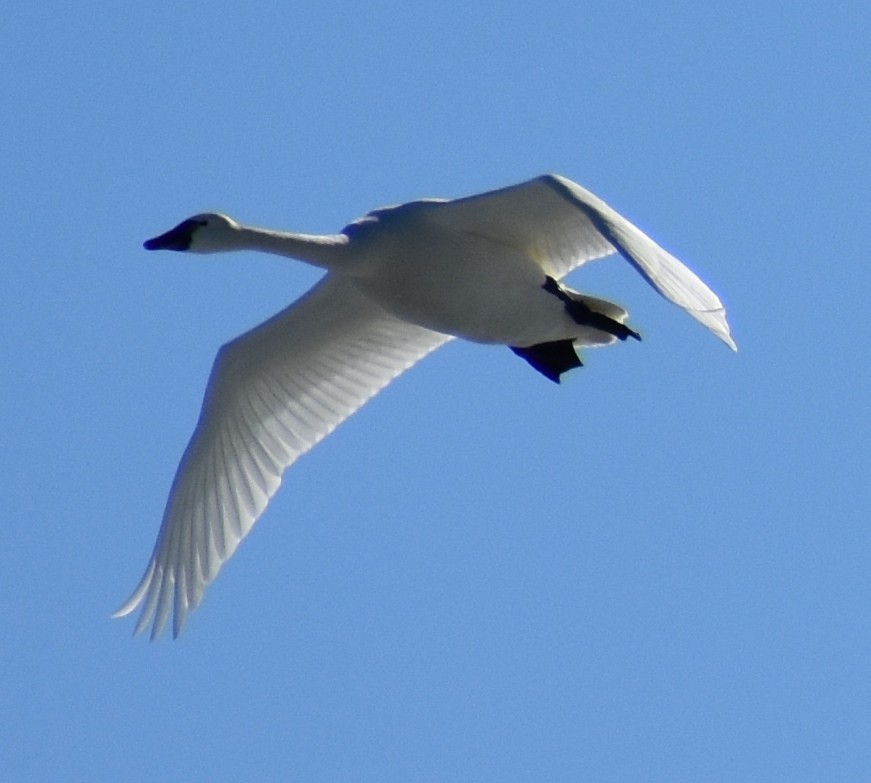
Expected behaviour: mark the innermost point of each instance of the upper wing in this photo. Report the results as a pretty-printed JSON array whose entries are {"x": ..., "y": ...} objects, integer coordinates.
[
  {"x": 273, "y": 393},
  {"x": 562, "y": 225}
]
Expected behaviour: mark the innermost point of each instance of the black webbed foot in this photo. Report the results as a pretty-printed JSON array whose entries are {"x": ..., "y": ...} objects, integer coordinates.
[
  {"x": 583, "y": 315},
  {"x": 551, "y": 359}
]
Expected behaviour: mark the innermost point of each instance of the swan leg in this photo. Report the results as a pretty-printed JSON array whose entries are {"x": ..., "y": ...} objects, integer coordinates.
[
  {"x": 550, "y": 359},
  {"x": 583, "y": 315}
]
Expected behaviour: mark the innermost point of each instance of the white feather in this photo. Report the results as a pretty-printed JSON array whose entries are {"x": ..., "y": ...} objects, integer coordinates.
[{"x": 401, "y": 282}]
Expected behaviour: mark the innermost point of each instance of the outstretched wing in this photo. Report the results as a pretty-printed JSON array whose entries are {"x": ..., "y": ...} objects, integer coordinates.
[
  {"x": 562, "y": 225},
  {"x": 273, "y": 393}
]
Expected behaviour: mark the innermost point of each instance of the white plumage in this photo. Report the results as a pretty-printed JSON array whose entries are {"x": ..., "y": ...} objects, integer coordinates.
[{"x": 400, "y": 282}]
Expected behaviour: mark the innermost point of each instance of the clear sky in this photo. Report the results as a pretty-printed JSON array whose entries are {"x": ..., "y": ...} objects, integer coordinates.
[{"x": 660, "y": 570}]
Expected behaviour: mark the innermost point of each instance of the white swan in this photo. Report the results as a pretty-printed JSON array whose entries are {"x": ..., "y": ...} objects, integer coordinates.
[{"x": 400, "y": 282}]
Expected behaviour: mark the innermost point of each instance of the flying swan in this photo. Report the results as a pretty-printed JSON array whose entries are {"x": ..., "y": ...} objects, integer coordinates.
[{"x": 400, "y": 282}]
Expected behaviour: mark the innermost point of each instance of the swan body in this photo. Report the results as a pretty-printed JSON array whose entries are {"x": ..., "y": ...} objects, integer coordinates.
[{"x": 400, "y": 282}]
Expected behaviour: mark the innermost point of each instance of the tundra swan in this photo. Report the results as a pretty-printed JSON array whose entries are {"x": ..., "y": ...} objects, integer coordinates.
[{"x": 400, "y": 282}]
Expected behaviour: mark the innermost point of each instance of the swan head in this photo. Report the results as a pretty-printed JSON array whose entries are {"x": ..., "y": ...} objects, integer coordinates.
[{"x": 206, "y": 233}]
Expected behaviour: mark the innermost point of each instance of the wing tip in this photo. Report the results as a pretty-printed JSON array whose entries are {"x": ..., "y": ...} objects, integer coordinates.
[
  {"x": 715, "y": 321},
  {"x": 727, "y": 338},
  {"x": 138, "y": 594},
  {"x": 157, "y": 607}
]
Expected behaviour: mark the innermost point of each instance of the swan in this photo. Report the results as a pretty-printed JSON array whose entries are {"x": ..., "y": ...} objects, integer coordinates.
[{"x": 399, "y": 282}]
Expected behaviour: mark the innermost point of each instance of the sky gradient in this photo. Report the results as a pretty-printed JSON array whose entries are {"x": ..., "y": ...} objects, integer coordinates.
[{"x": 659, "y": 570}]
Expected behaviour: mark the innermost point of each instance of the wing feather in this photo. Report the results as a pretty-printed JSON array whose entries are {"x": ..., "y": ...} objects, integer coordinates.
[
  {"x": 562, "y": 225},
  {"x": 273, "y": 393}
]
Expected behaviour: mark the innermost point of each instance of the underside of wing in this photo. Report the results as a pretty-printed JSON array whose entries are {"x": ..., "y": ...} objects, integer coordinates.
[
  {"x": 561, "y": 225},
  {"x": 531, "y": 217},
  {"x": 273, "y": 394},
  {"x": 675, "y": 281}
]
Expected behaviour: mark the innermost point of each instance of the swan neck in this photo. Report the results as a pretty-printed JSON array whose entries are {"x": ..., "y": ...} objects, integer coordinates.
[{"x": 326, "y": 251}]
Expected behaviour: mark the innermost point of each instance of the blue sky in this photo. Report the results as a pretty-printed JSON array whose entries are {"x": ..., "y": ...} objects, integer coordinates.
[{"x": 660, "y": 570}]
